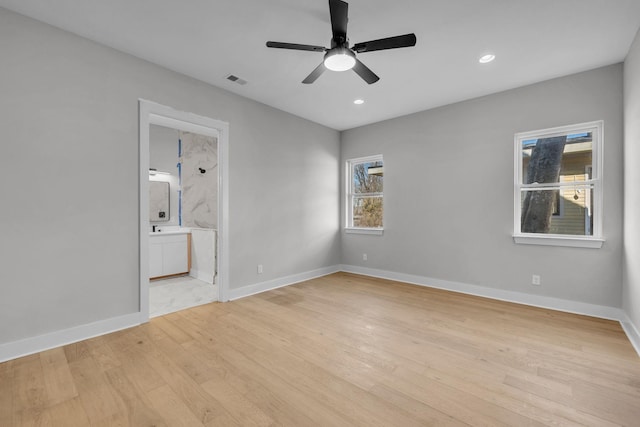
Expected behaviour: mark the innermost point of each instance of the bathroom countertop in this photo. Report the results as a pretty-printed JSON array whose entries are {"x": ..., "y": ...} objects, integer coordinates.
[{"x": 171, "y": 231}]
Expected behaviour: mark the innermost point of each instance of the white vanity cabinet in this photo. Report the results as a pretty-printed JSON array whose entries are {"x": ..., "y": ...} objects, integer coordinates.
[{"x": 169, "y": 254}]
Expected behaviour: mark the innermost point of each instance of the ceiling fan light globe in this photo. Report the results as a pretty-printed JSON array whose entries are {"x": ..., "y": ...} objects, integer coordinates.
[{"x": 340, "y": 60}]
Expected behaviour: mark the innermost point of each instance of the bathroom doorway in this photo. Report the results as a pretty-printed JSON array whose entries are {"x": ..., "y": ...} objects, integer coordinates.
[
  {"x": 183, "y": 216},
  {"x": 169, "y": 222}
]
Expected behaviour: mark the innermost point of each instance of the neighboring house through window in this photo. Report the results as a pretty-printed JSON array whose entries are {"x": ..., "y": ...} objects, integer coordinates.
[
  {"x": 364, "y": 204},
  {"x": 558, "y": 186}
]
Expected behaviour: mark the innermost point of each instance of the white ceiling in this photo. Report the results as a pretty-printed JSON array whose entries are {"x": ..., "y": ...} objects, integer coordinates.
[{"x": 533, "y": 40}]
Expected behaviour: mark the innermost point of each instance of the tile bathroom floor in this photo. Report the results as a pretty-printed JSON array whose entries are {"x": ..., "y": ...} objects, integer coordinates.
[{"x": 169, "y": 295}]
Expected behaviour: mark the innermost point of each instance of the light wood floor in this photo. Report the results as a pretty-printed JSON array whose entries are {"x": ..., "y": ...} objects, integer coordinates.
[{"x": 339, "y": 350}]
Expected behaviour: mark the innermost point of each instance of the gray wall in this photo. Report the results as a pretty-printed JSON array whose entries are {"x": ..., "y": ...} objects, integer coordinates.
[
  {"x": 69, "y": 116},
  {"x": 448, "y": 193},
  {"x": 631, "y": 286}
]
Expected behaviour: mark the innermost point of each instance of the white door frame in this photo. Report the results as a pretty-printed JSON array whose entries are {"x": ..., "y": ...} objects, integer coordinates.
[{"x": 151, "y": 113}]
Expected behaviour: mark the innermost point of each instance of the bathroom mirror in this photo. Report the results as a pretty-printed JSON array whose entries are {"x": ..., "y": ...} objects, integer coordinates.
[{"x": 158, "y": 201}]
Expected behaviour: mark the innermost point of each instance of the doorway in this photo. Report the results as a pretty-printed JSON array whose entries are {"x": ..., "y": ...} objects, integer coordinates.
[{"x": 151, "y": 113}]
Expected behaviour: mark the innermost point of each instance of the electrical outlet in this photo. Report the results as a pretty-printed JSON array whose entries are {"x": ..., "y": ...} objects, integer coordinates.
[
  {"x": 535, "y": 280},
  {"x": 364, "y": 257},
  {"x": 259, "y": 268}
]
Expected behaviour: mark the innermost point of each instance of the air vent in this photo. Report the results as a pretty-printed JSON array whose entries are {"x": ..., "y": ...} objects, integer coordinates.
[{"x": 236, "y": 79}]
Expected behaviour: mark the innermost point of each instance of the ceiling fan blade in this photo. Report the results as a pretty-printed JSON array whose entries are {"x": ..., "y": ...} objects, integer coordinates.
[
  {"x": 315, "y": 74},
  {"x": 295, "y": 46},
  {"x": 339, "y": 12},
  {"x": 406, "y": 40},
  {"x": 364, "y": 72}
]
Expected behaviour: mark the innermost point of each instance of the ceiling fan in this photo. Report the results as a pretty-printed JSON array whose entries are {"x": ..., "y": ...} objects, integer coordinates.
[{"x": 341, "y": 57}]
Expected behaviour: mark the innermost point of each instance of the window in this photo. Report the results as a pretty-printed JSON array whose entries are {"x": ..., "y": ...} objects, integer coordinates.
[
  {"x": 364, "y": 203},
  {"x": 558, "y": 186}
]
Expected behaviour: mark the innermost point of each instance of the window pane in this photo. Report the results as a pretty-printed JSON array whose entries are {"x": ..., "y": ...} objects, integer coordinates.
[
  {"x": 367, "y": 177},
  {"x": 367, "y": 212},
  {"x": 568, "y": 210},
  {"x": 546, "y": 160}
]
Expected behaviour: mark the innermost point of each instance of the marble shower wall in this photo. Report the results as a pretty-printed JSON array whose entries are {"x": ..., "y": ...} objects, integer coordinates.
[{"x": 199, "y": 189}]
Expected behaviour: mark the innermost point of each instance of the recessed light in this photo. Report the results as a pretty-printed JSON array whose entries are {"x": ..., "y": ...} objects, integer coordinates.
[
  {"x": 486, "y": 58},
  {"x": 359, "y": 101}
]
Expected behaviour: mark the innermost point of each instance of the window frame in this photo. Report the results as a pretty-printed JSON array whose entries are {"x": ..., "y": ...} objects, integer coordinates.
[
  {"x": 583, "y": 241},
  {"x": 350, "y": 194}
]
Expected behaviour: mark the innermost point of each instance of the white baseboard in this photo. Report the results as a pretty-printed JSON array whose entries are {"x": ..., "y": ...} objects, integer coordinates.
[
  {"x": 576, "y": 307},
  {"x": 632, "y": 333},
  {"x": 44, "y": 342},
  {"x": 602, "y": 311},
  {"x": 257, "y": 288},
  {"x": 24, "y": 347}
]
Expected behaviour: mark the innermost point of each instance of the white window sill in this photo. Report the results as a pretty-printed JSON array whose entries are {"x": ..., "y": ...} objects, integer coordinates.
[
  {"x": 569, "y": 241},
  {"x": 373, "y": 231}
]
